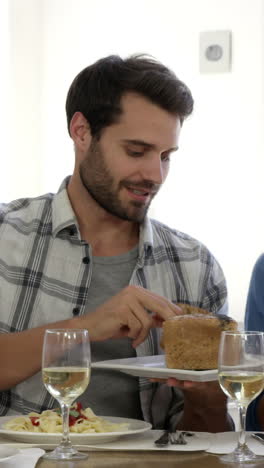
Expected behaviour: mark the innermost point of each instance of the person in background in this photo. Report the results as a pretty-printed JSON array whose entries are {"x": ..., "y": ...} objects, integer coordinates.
[
  {"x": 90, "y": 257},
  {"x": 254, "y": 321}
]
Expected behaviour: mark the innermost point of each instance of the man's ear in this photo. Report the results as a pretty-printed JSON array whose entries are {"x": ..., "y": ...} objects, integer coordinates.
[{"x": 80, "y": 131}]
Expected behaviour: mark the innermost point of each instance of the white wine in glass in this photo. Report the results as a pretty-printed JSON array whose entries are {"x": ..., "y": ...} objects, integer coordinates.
[
  {"x": 66, "y": 367},
  {"x": 241, "y": 377}
]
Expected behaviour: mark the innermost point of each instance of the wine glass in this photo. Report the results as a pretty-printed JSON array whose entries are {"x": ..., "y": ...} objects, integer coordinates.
[
  {"x": 66, "y": 367},
  {"x": 241, "y": 377}
]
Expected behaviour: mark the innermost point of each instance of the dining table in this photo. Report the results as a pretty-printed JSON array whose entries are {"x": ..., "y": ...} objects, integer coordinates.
[
  {"x": 139, "y": 450},
  {"x": 118, "y": 454},
  {"x": 139, "y": 459}
]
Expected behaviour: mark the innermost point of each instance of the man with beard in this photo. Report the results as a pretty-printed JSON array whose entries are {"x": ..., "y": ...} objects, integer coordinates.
[{"x": 89, "y": 257}]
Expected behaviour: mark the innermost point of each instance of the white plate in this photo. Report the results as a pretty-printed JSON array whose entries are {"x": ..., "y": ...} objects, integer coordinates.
[
  {"x": 154, "y": 367},
  {"x": 135, "y": 427},
  {"x": 7, "y": 452}
]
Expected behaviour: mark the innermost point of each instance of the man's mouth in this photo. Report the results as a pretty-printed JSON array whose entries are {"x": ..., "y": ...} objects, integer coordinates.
[{"x": 140, "y": 194}]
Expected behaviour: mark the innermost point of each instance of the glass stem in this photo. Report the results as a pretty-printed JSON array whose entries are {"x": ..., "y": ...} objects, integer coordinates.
[
  {"x": 242, "y": 420},
  {"x": 65, "y": 412}
]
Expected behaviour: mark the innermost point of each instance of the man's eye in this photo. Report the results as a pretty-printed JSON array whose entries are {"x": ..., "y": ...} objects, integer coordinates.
[
  {"x": 135, "y": 154},
  {"x": 165, "y": 158}
]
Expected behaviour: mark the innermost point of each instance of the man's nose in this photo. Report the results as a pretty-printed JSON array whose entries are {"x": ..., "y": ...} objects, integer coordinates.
[{"x": 153, "y": 170}]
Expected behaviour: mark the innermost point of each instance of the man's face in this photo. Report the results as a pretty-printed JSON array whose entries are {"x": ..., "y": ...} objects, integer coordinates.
[{"x": 124, "y": 170}]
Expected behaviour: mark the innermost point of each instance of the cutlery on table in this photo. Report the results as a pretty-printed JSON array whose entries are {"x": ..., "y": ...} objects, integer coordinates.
[
  {"x": 178, "y": 438},
  {"x": 163, "y": 440},
  {"x": 175, "y": 438},
  {"x": 258, "y": 436}
]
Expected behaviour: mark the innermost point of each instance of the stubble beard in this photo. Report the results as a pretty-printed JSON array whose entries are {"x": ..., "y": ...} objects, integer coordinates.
[{"x": 99, "y": 183}]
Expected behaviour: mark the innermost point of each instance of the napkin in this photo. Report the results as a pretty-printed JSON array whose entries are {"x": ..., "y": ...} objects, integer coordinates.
[
  {"x": 26, "y": 458},
  {"x": 226, "y": 442},
  {"x": 198, "y": 442}
]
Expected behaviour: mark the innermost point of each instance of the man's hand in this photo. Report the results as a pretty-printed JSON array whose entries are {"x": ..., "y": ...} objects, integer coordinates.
[
  {"x": 205, "y": 406},
  {"x": 205, "y": 394},
  {"x": 131, "y": 313}
]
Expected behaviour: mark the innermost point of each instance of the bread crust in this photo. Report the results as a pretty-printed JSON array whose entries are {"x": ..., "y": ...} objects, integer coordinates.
[
  {"x": 189, "y": 309},
  {"x": 191, "y": 340}
]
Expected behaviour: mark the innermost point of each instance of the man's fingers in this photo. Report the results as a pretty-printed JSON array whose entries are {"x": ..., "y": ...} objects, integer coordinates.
[
  {"x": 172, "y": 382},
  {"x": 133, "y": 326},
  {"x": 183, "y": 384},
  {"x": 158, "y": 380},
  {"x": 146, "y": 323},
  {"x": 131, "y": 313},
  {"x": 140, "y": 303},
  {"x": 138, "y": 323},
  {"x": 159, "y": 305}
]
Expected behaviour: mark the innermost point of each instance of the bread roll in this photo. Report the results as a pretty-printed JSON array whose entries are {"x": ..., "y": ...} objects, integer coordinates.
[
  {"x": 191, "y": 341},
  {"x": 192, "y": 310}
]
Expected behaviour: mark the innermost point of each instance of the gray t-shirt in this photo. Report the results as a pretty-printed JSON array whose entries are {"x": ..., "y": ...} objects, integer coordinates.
[{"x": 112, "y": 393}]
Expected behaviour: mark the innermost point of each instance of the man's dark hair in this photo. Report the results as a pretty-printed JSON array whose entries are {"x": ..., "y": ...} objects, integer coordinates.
[{"x": 97, "y": 90}]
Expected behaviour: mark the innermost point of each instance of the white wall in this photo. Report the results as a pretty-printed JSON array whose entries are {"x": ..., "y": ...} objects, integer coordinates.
[
  {"x": 4, "y": 126},
  {"x": 214, "y": 191}
]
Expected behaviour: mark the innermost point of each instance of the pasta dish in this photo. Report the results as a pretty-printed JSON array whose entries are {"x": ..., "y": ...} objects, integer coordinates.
[{"x": 50, "y": 421}]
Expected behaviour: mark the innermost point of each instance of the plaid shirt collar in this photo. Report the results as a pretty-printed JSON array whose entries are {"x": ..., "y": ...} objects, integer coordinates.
[
  {"x": 62, "y": 213},
  {"x": 64, "y": 217}
]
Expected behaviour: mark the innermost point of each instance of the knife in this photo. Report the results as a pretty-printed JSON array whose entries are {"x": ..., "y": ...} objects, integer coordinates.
[
  {"x": 163, "y": 440},
  {"x": 259, "y": 436}
]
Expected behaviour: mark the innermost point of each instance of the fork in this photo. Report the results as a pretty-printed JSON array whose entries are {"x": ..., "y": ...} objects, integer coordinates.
[
  {"x": 163, "y": 440},
  {"x": 178, "y": 437}
]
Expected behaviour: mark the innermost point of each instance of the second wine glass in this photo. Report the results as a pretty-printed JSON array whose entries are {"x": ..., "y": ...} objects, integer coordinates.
[
  {"x": 66, "y": 368},
  {"x": 241, "y": 377}
]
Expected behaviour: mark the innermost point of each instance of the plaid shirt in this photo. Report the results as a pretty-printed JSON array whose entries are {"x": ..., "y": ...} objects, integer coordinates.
[{"x": 45, "y": 274}]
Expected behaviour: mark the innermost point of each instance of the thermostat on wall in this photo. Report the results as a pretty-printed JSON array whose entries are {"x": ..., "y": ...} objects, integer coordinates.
[{"x": 215, "y": 51}]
